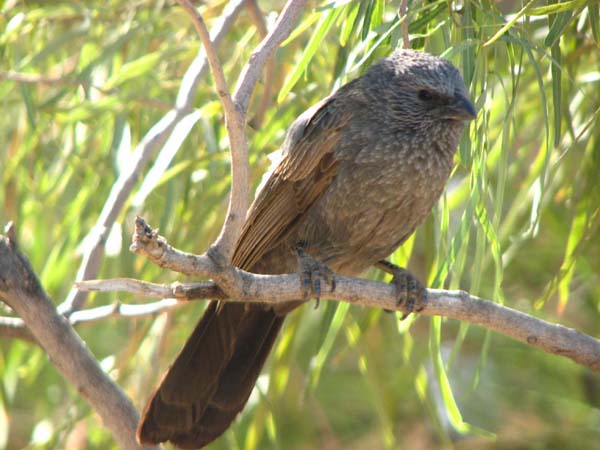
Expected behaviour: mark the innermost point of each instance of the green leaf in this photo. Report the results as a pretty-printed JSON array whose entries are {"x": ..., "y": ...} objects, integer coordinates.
[
  {"x": 576, "y": 233},
  {"x": 556, "y": 8},
  {"x": 508, "y": 24},
  {"x": 326, "y": 347},
  {"x": 134, "y": 69},
  {"x": 556, "y": 70},
  {"x": 452, "y": 409},
  {"x": 349, "y": 23},
  {"x": 557, "y": 27},
  {"x": 594, "y": 15},
  {"x": 325, "y": 23}
]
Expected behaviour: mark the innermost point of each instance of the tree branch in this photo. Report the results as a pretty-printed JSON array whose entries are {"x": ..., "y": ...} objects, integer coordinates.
[
  {"x": 235, "y": 109},
  {"x": 280, "y": 32},
  {"x": 21, "y": 289},
  {"x": 247, "y": 287},
  {"x": 150, "y": 143},
  {"x": 235, "y": 122},
  {"x": 94, "y": 250},
  {"x": 213, "y": 59},
  {"x": 13, "y": 327},
  {"x": 123, "y": 310},
  {"x": 265, "y": 98},
  {"x": 240, "y": 185},
  {"x": 404, "y": 25}
]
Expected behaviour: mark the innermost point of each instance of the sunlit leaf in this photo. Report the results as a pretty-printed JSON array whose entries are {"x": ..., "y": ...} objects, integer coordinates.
[{"x": 323, "y": 26}]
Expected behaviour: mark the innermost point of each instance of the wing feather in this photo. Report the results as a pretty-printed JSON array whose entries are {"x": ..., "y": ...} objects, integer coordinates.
[{"x": 303, "y": 175}]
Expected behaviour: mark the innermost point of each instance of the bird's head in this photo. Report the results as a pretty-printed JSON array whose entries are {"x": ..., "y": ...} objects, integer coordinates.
[{"x": 420, "y": 89}]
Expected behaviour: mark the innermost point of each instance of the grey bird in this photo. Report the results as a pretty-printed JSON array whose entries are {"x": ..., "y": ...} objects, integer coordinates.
[{"x": 359, "y": 172}]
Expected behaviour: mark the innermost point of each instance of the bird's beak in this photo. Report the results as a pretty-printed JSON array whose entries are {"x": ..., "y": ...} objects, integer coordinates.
[{"x": 462, "y": 108}]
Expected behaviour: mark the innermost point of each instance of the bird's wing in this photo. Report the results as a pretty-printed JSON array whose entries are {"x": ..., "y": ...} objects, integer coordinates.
[{"x": 302, "y": 176}]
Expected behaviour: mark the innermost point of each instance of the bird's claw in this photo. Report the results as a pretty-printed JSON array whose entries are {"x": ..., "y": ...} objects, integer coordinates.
[
  {"x": 312, "y": 272},
  {"x": 409, "y": 291}
]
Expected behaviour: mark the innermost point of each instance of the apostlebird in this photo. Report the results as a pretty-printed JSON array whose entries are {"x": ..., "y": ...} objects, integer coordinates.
[{"x": 359, "y": 171}]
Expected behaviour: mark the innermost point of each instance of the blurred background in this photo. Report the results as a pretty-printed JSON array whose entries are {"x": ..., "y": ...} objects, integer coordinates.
[{"x": 83, "y": 82}]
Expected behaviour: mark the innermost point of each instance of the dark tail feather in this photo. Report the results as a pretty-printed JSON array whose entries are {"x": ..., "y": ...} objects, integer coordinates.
[{"x": 210, "y": 381}]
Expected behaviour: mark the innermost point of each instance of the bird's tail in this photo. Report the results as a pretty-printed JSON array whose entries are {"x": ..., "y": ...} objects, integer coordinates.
[{"x": 210, "y": 381}]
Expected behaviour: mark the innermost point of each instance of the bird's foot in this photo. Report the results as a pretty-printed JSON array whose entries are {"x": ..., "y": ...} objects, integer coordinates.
[
  {"x": 312, "y": 272},
  {"x": 409, "y": 291}
]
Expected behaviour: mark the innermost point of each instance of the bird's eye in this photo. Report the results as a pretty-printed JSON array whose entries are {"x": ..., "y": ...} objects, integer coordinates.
[{"x": 425, "y": 95}]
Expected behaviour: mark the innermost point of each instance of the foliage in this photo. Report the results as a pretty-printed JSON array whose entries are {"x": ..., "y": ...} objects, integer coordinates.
[{"x": 516, "y": 225}]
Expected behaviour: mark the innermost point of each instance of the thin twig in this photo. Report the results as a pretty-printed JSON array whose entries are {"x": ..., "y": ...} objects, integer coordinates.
[
  {"x": 280, "y": 32},
  {"x": 123, "y": 310},
  {"x": 12, "y": 327},
  {"x": 269, "y": 82},
  {"x": 143, "y": 154},
  {"x": 404, "y": 24},
  {"x": 175, "y": 292},
  {"x": 213, "y": 58}
]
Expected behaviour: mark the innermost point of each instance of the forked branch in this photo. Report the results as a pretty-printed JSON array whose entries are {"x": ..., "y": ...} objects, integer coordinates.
[
  {"x": 247, "y": 287},
  {"x": 235, "y": 108}
]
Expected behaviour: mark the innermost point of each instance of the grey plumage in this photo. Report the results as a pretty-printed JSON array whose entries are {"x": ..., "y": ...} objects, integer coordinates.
[{"x": 359, "y": 172}]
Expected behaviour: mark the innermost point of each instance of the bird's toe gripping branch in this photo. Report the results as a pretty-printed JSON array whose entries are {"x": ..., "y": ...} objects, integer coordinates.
[
  {"x": 409, "y": 290},
  {"x": 312, "y": 272}
]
